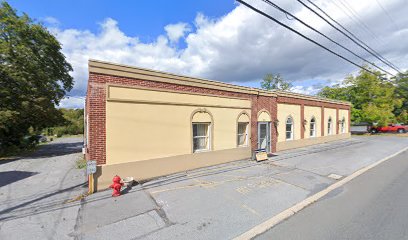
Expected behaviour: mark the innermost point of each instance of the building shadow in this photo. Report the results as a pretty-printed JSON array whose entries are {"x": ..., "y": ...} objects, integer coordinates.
[
  {"x": 13, "y": 176},
  {"x": 54, "y": 149},
  {"x": 57, "y": 149},
  {"x": 14, "y": 209}
]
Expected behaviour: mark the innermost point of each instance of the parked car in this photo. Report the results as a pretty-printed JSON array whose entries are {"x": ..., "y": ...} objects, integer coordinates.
[
  {"x": 39, "y": 138},
  {"x": 390, "y": 128},
  {"x": 360, "y": 128},
  {"x": 42, "y": 138}
]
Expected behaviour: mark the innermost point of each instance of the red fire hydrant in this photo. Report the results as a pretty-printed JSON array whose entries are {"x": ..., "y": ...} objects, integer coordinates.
[{"x": 116, "y": 186}]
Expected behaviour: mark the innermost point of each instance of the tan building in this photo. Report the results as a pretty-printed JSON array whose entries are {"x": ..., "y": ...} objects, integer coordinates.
[{"x": 144, "y": 123}]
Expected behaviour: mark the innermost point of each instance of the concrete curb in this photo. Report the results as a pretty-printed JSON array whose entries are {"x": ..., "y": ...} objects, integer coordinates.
[{"x": 306, "y": 202}]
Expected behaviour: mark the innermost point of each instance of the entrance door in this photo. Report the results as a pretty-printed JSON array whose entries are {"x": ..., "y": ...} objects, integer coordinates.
[{"x": 264, "y": 136}]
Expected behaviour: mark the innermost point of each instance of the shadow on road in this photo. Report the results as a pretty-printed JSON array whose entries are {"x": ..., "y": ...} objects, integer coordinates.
[
  {"x": 51, "y": 150},
  {"x": 14, "y": 208},
  {"x": 57, "y": 149},
  {"x": 13, "y": 176}
]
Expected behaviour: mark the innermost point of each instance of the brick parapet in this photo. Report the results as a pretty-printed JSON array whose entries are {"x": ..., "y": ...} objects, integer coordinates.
[
  {"x": 96, "y": 108},
  {"x": 312, "y": 103}
]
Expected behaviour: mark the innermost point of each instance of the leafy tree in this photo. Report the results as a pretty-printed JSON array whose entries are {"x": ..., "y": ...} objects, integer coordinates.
[
  {"x": 34, "y": 77},
  {"x": 403, "y": 117},
  {"x": 373, "y": 97},
  {"x": 73, "y": 124},
  {"x": 275, "y": 82},
  {"x": 401, "y": 91}
]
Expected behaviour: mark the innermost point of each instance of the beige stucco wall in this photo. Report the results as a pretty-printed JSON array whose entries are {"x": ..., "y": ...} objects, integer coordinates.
[
  {"x": 330, "y": 112},
  {"x": 244, "y": 117},
  {"x": 310, "y": 112},
  {"x": 264, "y": 116},
  {"x": 141, "y": 95},
  {"x": 285, "y": 110},
  {"x": 344, "y": 114},
  {"x": 142, "y": 125},
  {"x": 148, "y": 169}
]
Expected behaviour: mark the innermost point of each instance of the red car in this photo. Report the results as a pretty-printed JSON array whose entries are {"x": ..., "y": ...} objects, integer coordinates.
[{"x": 390, "y": 128}]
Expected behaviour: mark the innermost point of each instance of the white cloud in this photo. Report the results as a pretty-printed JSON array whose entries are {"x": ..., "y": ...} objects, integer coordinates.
[
  {"x": 51, "y": 21},
  {"x": 177, "y": 31},
  {"x": 310, "y": 90},
  {"x": 72, "y": 102},
  {"x": 242, "y": 46}
]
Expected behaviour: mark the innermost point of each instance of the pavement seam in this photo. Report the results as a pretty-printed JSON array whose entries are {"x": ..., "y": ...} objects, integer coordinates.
[
  {"x": 160, "y": 211},
  {"x": 242, "y": 164},
  {"x": 266, "y": 225}
]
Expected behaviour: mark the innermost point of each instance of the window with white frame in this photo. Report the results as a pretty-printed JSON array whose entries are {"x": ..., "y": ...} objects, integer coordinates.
[
  {"x": 201, "y": 137},
  {"x": 289, "y": 128},
  {"x": 313, "y": 127},
  {"x": 343, "y": 125},
  {"x": 242, "y": 137},
  {"x": 329, "y": 126}
]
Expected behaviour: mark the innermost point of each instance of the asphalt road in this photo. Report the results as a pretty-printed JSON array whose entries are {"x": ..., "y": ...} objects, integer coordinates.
[
  {"x": 372, "y": 206},
  {"x": 34, "y": 190}
]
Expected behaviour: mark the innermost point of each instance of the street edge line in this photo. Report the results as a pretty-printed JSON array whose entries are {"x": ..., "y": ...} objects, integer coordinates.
[{"x": 253, "y": 232}]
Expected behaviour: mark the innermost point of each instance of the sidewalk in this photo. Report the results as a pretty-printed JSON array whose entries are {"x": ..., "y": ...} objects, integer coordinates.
[{"x": 223, "y": 201}]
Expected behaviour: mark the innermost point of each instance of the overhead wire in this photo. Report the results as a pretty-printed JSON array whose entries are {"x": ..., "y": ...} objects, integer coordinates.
[
  {"x": 350, "y": 35},
  {"x": 302, "y": 35},
  {"x": 322, "y": 34},
  {"x": 356, "y": 17},
  {"x": 388, "y": 15}
]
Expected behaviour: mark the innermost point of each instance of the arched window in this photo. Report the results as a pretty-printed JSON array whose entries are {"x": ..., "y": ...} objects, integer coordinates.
[
  {"x": 201, "y": 121},
  {"x": 289, "y": 128},
  {"x": 313, "y": 127},
  {"x": 343, "y": 125},
  {"x": 242, "y": 131},
  {"x": 329, "y": 126}
]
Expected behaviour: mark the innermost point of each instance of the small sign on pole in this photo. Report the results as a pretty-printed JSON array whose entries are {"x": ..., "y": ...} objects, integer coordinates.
[{"x": 90, "y": 167}]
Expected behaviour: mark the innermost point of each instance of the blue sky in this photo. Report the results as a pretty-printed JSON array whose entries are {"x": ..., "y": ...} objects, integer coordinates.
[
  {"x": 218, "y": 40},
  {"x": 142, "y": 18}
]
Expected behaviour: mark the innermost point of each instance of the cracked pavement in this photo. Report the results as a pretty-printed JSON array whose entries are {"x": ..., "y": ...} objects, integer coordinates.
[{"x": 218, "y": 202}]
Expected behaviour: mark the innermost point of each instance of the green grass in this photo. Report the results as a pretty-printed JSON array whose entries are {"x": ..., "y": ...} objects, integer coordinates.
[
  {"x": 382, "y": 135},
  {"x": 81, "y": 162}
]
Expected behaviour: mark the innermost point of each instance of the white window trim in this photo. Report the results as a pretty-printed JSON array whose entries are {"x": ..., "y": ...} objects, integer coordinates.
[
  {"x": 292, "y": 135},
  {"x": 343, "y": 125},
  {"x": 330, "y": 126},
  {"x": 314, "y": 128},
  {"x": 246, "y": 135},
  {"x": 209, "y": 137}
]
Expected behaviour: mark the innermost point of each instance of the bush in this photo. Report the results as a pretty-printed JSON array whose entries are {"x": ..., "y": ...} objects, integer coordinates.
[
  {"x": 73, "y": 125},
  {"x": 81, "y": 163},
  {"x": 25, "y": 144}
]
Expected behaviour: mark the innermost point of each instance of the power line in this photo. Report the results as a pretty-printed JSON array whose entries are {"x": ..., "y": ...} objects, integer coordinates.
[
  {"x": 300, "y": 34},
  {"x": 325, "y": 36},
  {"x": 360, "y": 43},
  {"x": 388, "y": 15},
  {"x": 355, "y": 15},
  {"x": 375, "y": 53},
  {"x": 349, "y": 16}
]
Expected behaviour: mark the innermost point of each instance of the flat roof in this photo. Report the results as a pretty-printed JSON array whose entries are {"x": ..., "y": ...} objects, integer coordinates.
[{"x": 114, "y": 69}]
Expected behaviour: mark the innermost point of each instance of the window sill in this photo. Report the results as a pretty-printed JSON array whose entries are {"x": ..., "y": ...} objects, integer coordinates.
[
  {"x": 202, "y": 150},
  {"x": 241, "y": 146}
]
